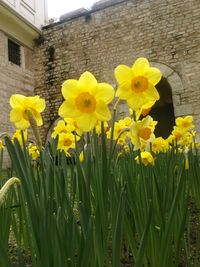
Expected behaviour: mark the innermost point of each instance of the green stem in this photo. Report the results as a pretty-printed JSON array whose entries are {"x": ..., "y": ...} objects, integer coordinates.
[{"x": 35, "y": 130}]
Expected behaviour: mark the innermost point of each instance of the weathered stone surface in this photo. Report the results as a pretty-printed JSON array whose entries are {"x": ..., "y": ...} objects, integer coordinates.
[
  {"x": 117, "y": 32},
  {"x": 14, "y": 79}
]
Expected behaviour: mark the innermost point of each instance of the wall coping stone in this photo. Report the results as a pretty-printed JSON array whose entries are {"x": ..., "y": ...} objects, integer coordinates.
[{"x": 98, "y": 6}]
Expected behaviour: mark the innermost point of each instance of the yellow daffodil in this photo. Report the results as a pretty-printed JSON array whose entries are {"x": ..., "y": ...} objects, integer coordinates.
[
  {"x": 66, "y": 141},
  {"x": 185, "y": 123},
  {"x": 187, "y": 139},
  {"x": 144, "y": 109},
  {"x": 182, "y": 134},
  {"x": 186, "y": 158},
  {"x": 160, "y": 144},
  {"x": 81, "y": 156},
  {"x": 126, "y": 148},
  {"x": 33, "y": 151},
  {"x": 121, "y": 141},
  {"x": 1, "y": 145},
  {"x": 136, "y": 85},
  {"x": 22, "y": 106},
  {"x": 146, "y": 158},
  {"x": 18, "y": 135},
  {"x": 121, "y": 129},
  {"x": 127, "y": 121},
  {"x": 177, "y": 134},
  {"x": 71, "y": 123},
  {"x": 142, "y": 131},
  {"x": 86, "y": 101},
  {"x": 61, "y": 127}
]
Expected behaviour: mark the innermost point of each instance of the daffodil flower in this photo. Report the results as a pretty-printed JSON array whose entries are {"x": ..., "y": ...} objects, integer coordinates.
[
  {"x": 136, "y": 85},
  {"x": 33, "y": 151},
  {"x": 71, "y": 123},
  {"x": 18, "y": 135},
  {"x": 160, "y": 145},
  {"x": 66, "y": 141},
  {"x": 61, "y": 127},
  {"x": 22, "y": 106},
  {"x": 146, "y": 158},
  {"x": 86, "y": 101},
  {"x": 1, "y": 145},
  {"x": 81, "y": 156},
  {"x": 142, "y": 131},
  {"x": 185, "y": 123}
]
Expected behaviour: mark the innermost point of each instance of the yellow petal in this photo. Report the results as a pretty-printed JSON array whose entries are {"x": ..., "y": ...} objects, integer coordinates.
[
  {"x": 81, "y": 156},
  {"x": 124, "y": 92},
  {"x": 102, "y": 111},
  {"x": 153, "y": 75},
  {"x": 16, "y": 100},
  {"x": 22, "y": 124},
  {"x": 123, "y": 74},
  {"x": 86, "y": 122},
  {"x": 146, "y": 105},
  {"x": 87, "y": 81},
  {"x": 38, "y": 119},
  {"x": 16, "y": 115},
  {"x": 68, "y": 109},
  {"x": 146, "y": 121},
  {"x": 70, "y": 89},
  {"x": 104, "y": 92},
  {"x": 136, "y": 102},
  {"x": 151, "y": 93},
  {"x": 39, "y": 104},
  {"x": 140, "y": 66},
  {"x": 189, "y": 118}
]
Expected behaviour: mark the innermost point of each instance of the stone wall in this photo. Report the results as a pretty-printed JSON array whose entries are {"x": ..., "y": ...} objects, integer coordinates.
[
  {"x": 117, "y": 32},
  {"x": 13, "y": 79}
]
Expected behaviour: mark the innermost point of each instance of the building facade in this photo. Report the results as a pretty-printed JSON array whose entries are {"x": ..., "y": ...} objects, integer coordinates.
[
  {"x": 32, "y": 11},
  {"x": 118, "y": 32},
  {"x": 20, "y": 24}
]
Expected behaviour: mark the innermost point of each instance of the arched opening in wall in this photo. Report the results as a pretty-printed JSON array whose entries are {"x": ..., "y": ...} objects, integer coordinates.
[{"x": 163, "y": 110}]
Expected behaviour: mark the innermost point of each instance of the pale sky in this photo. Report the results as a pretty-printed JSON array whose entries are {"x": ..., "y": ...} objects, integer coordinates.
[{"x": 56, "y": 8}]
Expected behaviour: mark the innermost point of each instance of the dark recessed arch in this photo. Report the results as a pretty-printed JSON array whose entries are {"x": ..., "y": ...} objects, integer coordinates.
[{"x": 163, "y": 110}]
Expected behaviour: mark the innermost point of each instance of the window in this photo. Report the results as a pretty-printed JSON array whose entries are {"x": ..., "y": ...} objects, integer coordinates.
[{"x": 14, "y": 54}]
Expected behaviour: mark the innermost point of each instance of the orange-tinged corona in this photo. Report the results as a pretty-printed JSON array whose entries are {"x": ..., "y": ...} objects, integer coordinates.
[
  {"x": 145, "y": 133},
  {"x": 67, "y": 142},
  {"x": 85, "y": 102},
  {"x": 136, "y": 84},
  {"x": 139, "y": 84},
  {"x": 141, "y": 132}
]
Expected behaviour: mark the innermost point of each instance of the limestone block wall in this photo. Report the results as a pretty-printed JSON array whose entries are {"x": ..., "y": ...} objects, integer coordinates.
[
  {"x": 13, "y": 79},
  {"x": 118, "y": 32}
]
